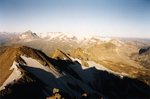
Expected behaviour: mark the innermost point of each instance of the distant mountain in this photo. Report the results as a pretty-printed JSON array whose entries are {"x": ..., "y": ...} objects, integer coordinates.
[
  {"x": 61, "y": 36},
  {"x": 28, "y": 35},
  {"x": 29, "y": 73},
  {"x": 48, "y": 42}
]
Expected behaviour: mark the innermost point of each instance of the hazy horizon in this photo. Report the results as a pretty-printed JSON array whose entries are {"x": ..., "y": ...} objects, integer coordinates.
[{"x": 116, "y": 18}]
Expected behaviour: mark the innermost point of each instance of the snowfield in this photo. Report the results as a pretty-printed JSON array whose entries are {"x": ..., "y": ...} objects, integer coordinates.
[{"x": 33, "y": 63}]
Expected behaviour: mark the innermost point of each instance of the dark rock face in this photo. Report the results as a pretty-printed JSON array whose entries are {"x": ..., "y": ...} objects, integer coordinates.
[
  {"x": 144, "y": 57},
  {"x": 144, "y": 50}
]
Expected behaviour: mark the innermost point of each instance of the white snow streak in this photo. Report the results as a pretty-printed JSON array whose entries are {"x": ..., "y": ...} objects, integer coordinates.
[{"x": 15, "y": 75}]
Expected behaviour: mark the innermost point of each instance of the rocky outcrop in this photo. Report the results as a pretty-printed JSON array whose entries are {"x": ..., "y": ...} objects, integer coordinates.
[
  {"x": 143, "y": 57},
  {"x": 144, "y": 50}
]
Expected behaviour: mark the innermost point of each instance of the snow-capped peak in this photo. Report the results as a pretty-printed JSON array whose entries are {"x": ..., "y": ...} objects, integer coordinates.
[
  {"x": 28, "y": 35},
  {"x": 62, "y": 36}
]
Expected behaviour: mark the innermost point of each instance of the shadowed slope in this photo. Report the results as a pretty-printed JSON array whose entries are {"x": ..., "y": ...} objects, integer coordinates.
[{"x": 77, "y": 81}]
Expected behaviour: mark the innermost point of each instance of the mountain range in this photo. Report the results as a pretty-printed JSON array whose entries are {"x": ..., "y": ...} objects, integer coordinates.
[{"x": 62, "y": 65}]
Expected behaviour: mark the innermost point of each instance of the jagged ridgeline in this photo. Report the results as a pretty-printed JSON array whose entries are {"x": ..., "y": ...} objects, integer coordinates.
[{"x": 29, "y": 73}]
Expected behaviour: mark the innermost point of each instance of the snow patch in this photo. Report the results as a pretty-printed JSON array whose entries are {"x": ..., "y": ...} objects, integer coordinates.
[
  {"x": 23, "y": 36},
  {"x": 33, "y": 63},
  {"x": 15, "y": 75},
  {"x": 105, "y": 39},
  {"x": 63, "y": 36},
  {"x": 98, "y": 67}
]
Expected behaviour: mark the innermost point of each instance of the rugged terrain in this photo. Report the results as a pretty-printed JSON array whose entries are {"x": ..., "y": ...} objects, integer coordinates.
[
  {"x": 29, "y": 70},
  {"x": 67, "y": 66}
]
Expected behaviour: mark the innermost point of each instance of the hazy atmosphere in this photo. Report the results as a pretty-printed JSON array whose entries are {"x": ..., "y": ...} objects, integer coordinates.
[{"x": 123, "y": 18}]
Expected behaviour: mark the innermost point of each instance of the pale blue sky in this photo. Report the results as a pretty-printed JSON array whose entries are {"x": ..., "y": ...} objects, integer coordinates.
[{"x": 123, "y": 18}]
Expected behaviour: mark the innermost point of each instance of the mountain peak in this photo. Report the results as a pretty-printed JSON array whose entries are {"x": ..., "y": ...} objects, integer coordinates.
[
  {"x": 28, "y": 35},
  {"x": 29, "y": 31}
]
